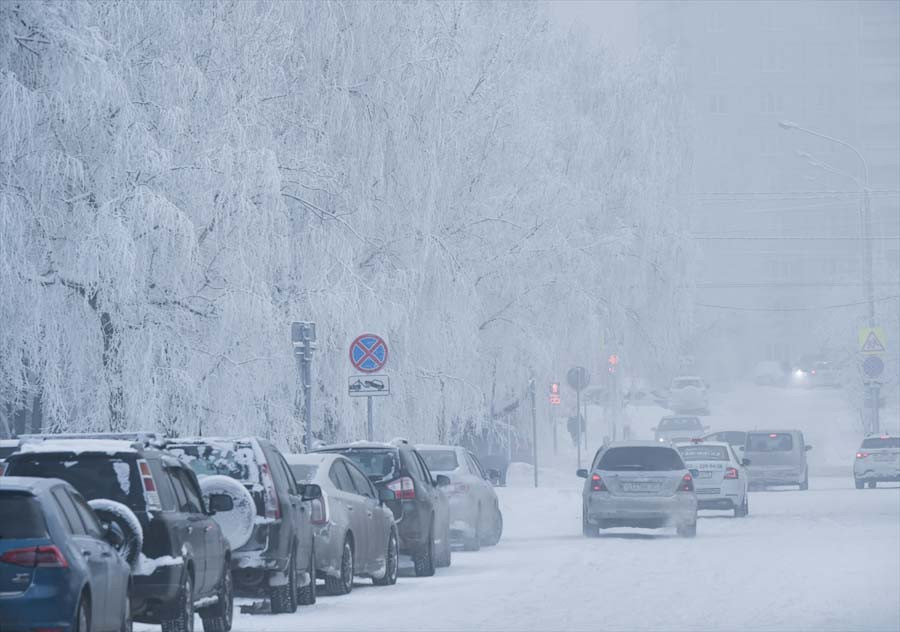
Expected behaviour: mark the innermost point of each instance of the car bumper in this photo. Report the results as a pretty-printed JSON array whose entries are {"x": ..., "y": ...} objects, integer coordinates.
[
  {"x": 154, "y": 597},
  {"x": 877, "y": 471},
  {"x": 41, "y": 606},
  {"x": 761, "y": 477},
  {"x": 727, "y": 495},
  {"x": 604, "y": 509}
]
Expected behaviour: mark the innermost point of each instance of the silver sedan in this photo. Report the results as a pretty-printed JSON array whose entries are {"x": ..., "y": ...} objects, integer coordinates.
[
  {"x": 638, "y": 484},
  {"x": 355, "y": 533},
  {"x": 475, "y": 516}
]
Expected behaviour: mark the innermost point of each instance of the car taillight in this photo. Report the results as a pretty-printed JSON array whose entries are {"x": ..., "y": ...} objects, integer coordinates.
[
  {"x": 731, "y": 472},
  {"x": 403, "y": 488},
  {"x": 859, "y": 455},
  {"x": 151, "y": 496},
  {"x": 458, "y": 488},
  {"x": 597, "y": 484},
  {"x": 687, "y": 483},
  {"x": 319, "y": 511},
  {"x": 36, "y": 556},
  {"x": 273, "y": 508}
]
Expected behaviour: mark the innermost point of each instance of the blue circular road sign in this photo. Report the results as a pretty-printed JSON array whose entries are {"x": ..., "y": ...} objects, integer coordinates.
[{"x": 873, "y": 366}]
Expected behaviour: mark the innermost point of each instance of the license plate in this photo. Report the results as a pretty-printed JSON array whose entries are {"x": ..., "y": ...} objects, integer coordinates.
[
  {"x": 884, "y": 457},
  {"x": 640, "y": 487},
  {"x": 704, "y": 474}
]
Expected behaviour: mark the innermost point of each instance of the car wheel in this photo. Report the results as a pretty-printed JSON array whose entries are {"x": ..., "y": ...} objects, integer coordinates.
[
  {"x": 445, "y": 557},
  {"x": 474, "y": 543},
  {"x": 83, "y": 614},
  {"x": 219, "y": 617},
  {"x": 127, "y": 624},
  {"x": 740, "y": 511},
  {"x": 859, "y": 484},
  {"x": 588, "y": 529},
  {"x": 306, "y": 596},
  {"x": 687, "y": 530},
  {"x": 284, "y": 598},
  {"x": 344, "y": 583},
  {"x": 391, "y": 563},
  {"x": 873, "y": 484},
  {"x": 805, "y": 484},
  {"x": 424, "y": 559},
  {"x": 497, "y": 529},
  {"x": 184, "y": 620}
]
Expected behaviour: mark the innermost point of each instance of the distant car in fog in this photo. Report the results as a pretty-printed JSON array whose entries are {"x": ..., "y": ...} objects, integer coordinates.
[
  {"x": 642, "y": 484},
  {"x": 816, "y": 372},
  {"x": 688, "y": 394},
  {"x": 777, "y": 457},
  {"x": 771, "y": 373},
  {"x": 674, "y": 428},
  {"x": 877, "y": 461},
  {"x": 475, "y": 518},
  {"x": 735, "y": 438},
  {"x": 720, "y": 477}
]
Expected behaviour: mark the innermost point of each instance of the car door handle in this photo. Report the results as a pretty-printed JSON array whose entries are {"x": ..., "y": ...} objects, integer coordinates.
[
  {"x": 85, "y": 552},
  {"x": 349, "y": 507},
  {"x": 369, "y": 514}
]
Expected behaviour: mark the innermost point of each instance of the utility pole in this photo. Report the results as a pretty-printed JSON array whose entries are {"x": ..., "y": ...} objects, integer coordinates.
[
  {"x": 534, "y": 437},
  {"x": 303, "y": 337}
]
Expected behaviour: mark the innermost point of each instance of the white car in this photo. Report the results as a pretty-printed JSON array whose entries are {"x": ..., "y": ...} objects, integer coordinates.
[
  {"x": 687, "y": 394},
  {"x": 877, "y": 460},
  {"x": 721, "y": 479},
  {"x": 676, "y": 428}
]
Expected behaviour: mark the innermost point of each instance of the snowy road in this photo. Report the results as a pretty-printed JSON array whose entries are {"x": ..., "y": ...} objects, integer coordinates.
[{"x": 826, "y": 559}]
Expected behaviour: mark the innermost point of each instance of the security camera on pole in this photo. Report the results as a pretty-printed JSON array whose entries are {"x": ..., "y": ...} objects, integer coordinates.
[{"x": 303, "y": 337}]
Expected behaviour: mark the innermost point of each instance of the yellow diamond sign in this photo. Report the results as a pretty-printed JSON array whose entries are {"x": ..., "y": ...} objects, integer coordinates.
[{"x": 871, "y": 340}]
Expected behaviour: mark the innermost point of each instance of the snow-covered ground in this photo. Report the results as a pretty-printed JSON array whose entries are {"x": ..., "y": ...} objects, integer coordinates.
[{"x": 824, "y": 559}]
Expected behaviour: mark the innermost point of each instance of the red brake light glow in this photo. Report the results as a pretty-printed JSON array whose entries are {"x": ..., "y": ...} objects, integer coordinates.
[
  {"x": 731, "y": 472},
  {"x": 597, "y": 484},
  {"x": 687, "y": 483},
  {"x": 403, "y": 488},
  {"x": 861, "y": 455}
]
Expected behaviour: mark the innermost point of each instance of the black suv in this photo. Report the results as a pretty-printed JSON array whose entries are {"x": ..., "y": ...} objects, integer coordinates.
[
  {"x": 278, "y": 561},
  {"x": 421, "y": 509},
  {"x": 185, "y": 558}
]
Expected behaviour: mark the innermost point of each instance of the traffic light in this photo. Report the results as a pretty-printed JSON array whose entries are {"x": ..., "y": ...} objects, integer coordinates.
[
  {"x": 554, "y": 394},
  {"x": 613, "y": 361}
]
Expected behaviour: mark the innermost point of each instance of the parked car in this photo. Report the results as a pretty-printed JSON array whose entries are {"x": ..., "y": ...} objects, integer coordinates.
[
  {"x": 420, "y": 508},
  {"x": 688, "y": 394},
  {"x": 496, "y": 443},
  {"x": 737, "y": 439},
  {"x": 475, "y": 516},
  {"x": 721, "y": 480},
  {"x": 185, "y": 557},
  {"x": 354, "y": 529},
  {"x": 638, "y": 484},
  {"x": 679, "y": 428},
  {"x": 278, "y": 560},
  {"x": 59, "y": 568},
  {"x": 7, "y": 447},
  {"x": 877, "y": 461},
  {"x": 777, "y": 457}
]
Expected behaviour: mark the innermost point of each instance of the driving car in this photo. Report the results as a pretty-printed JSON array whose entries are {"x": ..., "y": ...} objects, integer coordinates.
[
  {"x": 184, "y": 558},
  {"x": 278, "y": 558},
  {"x": 354, "y": 530},
  {"x": 720, "y": 477},
  {"x": 641, "y": 484},
  {"x": 421, "y": 510},
  {"x": 59, "y": 568},
  {"x": 877, "y": 461},
  {"x": 688, "y": 394},
  {"x": 475, "y": 516},
  {"x": 777, "y": 457},
  {"x": 674, "y": 428},
  {"x": 737, "y": 439}
]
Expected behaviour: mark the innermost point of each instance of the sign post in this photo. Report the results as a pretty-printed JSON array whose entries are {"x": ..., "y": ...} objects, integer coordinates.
[
  {"x": 303, "y": 337},
  {"x": 555, "y": 400},
  {"x": 871, "y": 346},
  {"x": 369, "y": 354},
  {"x": 534, "y": 436},
  {"x": 579, "y": 378}
]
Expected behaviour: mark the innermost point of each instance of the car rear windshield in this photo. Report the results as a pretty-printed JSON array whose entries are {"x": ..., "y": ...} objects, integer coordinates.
[
  {"x": 29, "y": 519},
  {"x": 5, "y": 451},
  {"x": 680, "y": 423},
  {"x": 769, "y": 442},
  {"x": 378, "y": 465},
  {"x": 876, "y": 443},
  {"x": 93, "y": 475},
  {"x": 640, "y": 459},
  {"x": 703, "y": 452},
  {"x": 225, "y": 459},
  {"x": 304, "y": 473},
  {"x": 734, "y": 437},
  {"x": 440, "y": 460}
]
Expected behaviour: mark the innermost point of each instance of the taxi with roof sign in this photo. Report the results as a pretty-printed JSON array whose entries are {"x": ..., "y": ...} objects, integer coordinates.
[{"x": 721, "y": 478}]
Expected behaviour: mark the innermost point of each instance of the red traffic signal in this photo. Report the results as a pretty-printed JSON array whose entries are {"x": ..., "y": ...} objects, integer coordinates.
[
  {"x": 554, "y": 394},
  {"x": 613, "y": 361}
]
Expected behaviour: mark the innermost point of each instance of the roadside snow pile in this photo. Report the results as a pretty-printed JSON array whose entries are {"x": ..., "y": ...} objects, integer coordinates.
[
  {"x": 147, "y": 566},
  {"x": 112, "y": 511},
  {"x": 237, "y": 524}
]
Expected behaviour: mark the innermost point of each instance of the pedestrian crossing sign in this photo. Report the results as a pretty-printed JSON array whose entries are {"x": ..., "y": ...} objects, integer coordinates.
[{"x": 871, "y": 340}]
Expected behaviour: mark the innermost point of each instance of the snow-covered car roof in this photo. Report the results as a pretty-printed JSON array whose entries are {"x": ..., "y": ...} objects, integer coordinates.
[
  {"x": 435, "y": 446},
  {"x": 207, "y": 440},
  {"x": 356, "y": 445},
  {"x": 723, "y": 444},
  {"x": 78, "y": 446},
  {"x": 9, "y": 443},
  {"x": 687, "y": 377},
  {"x": 27, "y": 483},
  {"x": 309, "y": 459},
  {"x": 637, "y": 444}
]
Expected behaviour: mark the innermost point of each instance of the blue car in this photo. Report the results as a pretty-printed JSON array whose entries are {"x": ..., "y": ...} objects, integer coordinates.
[{"x": 59, "y": 568}]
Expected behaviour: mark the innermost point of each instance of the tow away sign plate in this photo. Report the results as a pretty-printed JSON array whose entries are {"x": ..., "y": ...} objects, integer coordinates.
[{"x": 369, "y": 386}]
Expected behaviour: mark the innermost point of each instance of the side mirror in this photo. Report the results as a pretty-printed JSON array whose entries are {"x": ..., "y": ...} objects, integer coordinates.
[
  {"x": 494, "y": 477},
  {"x": 582, "y": 473},
  {"x": 386, "y": 495},
  {"x": 745, "y": 462},
  {"x": 808, "y": 448},
  {"x": 441, "y": 480},
  {"x": 220, "y": 503},
  {"x": 311, "y": 491},
  {"x": 114, "y": 535}
]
